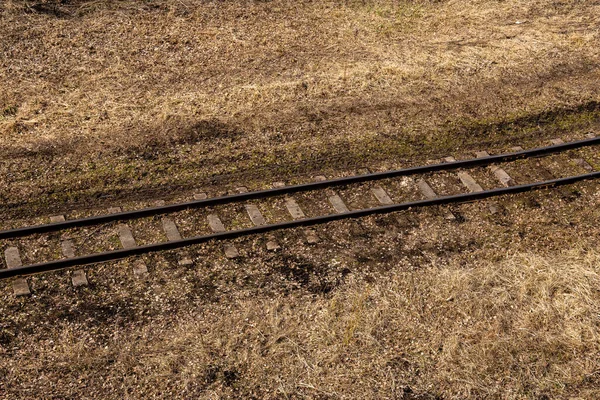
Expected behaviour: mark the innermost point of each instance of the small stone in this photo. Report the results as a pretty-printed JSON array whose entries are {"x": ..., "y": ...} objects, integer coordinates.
[
  {"x": 200, "y": 196},
  {"x": 231, "y": 251},
  {"x": 57, "y": 218},
  {"x": 79, "y": 278},
  {"x": 311, "y": 237},
  {"x": 185, "y": 262},
  {"x": 139, "y": 268},
  {"x": 279, "y": 184},
  {"x": 320, "y": 178},
  {"x": 114, "y": 210},
  {"x": 449, "y": 216},
  {"x": 272, "y": 245}
]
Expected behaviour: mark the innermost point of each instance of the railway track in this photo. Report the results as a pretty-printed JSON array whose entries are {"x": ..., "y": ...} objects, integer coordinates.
[{"x": 282, "y": 207}]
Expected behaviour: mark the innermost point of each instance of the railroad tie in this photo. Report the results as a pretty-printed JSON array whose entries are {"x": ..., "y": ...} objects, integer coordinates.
[
  {"x": 258, "y": 219},
  {"x": 338, "y": 204},
  {"x": 13, "y": 260},
  {"x": 466, "y": 179},
  {"x": 126, "y": 237},
  {"x": 430, "y": 194},
  {"x": 578, "y": 161},
  {"x": 583, "y": 164},
  {"x": 172, "y": 234},
  {"x": 255, "y": 215},
  {"x": 498, "y": 172},
  {"x": 335, "y": 200},
  {"x": 296, "y": 213},
  {"x": 547, "y": 173},
  {"x": 469, "y": 182},
  {"x": 382, "y": 196},
  {"x": 170, "y": 229},
  {"x": 216, "y": 225},
  {"x": 200, "y": 196},
  {"x": 294, "y": 209},
  {"x": 78, "y": 278},
  {"x": 426, "y": 190},
  {"x": 127, "y": 242}
]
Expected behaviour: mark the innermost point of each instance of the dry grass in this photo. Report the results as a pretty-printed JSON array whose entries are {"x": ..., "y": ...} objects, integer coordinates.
[
  {"x": 99, "y": 96},
  {"x": 114, "y": 93},
  {"x": 526, "y": 327},
  {"x": 523, "y": 328}
]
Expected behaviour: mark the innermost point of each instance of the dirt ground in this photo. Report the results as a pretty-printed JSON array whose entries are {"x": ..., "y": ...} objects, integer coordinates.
[{"x": 107, "y": 103}]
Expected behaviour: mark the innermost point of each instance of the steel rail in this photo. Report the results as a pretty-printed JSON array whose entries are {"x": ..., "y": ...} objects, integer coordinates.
[
  {"x": 120, "y": 254},
  {"x": 57, "y": 226}
]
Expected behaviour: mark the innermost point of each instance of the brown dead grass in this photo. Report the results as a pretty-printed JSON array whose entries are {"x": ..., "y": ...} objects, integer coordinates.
[
  {"x": 525, "y": 327},
  {"x": 522, "y": 328},
  {"x": 105, "y": 95},
  {"x": 123, "y": 86}
]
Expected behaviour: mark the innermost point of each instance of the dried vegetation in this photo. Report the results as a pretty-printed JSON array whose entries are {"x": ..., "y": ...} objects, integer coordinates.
[{"x": 100, "y": 97}]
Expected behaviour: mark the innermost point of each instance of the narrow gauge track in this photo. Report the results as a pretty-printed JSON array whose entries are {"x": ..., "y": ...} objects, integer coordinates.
[{"x": 475, "y": 192}]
